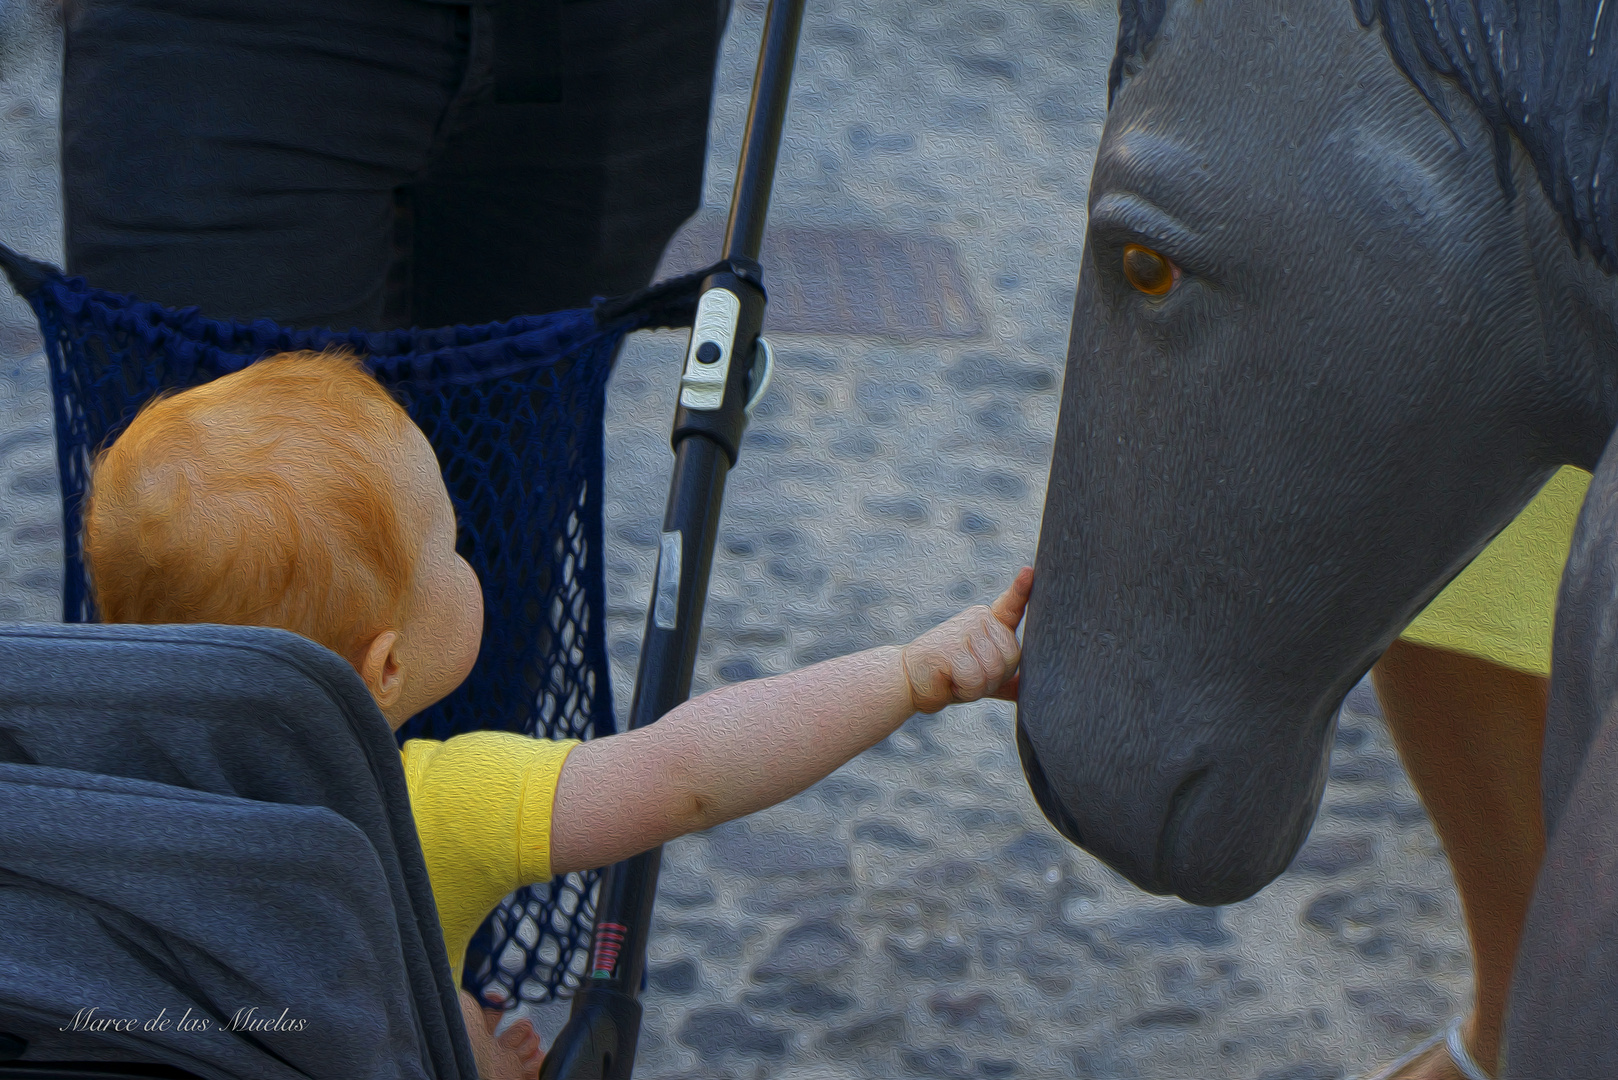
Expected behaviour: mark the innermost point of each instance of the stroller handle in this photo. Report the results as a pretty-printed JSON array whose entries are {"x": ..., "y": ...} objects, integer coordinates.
[{"x": 599, "y": 1039}]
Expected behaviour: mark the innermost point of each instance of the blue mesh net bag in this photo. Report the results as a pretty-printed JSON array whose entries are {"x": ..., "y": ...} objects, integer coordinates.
[{"x": 514, "y": 411}]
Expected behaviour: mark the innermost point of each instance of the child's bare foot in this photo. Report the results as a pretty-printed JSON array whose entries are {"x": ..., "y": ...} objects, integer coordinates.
[
  {"x": 520, "y": 1041},
  {"x": 1445, "y": 1056},
  {"x": 1435, "y": 1064},
  {"x": 515, "y": 1054}
]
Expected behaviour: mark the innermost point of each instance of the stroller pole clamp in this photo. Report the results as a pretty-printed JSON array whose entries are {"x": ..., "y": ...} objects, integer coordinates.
[{"x": 707, "y": 361}]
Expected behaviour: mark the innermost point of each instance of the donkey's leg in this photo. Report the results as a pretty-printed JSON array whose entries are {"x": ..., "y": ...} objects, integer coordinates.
[{"x": 1470, "y": 735}]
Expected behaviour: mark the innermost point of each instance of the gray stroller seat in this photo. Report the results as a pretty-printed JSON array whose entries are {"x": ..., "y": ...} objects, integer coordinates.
[{"x": 209, "y": 825}]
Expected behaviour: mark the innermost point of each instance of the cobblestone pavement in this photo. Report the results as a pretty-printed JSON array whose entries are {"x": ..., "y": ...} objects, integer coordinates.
[{"x": 913, "y": 915}]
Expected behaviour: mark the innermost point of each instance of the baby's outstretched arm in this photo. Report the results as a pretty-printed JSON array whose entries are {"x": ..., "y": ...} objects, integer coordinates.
[{"x": 750, "y": 745}]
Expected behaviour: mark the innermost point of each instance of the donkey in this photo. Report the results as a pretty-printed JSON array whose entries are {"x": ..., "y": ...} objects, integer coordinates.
[{"x": 1345, "y": 306}]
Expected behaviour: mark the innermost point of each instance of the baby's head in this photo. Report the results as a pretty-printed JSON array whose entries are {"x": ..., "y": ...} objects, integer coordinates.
[{"x": 295, "y": 493}]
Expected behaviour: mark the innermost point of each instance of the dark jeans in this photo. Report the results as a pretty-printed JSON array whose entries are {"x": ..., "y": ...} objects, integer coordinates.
[{"x": 358, "y": 162}]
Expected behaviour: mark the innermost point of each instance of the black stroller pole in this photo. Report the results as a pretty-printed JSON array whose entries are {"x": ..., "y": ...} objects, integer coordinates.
[{"x": 598, "y": 1041}]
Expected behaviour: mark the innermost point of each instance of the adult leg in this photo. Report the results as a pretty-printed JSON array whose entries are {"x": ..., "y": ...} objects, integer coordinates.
[
  {"x": 536, "y": 206},
  {"x": 1470, "y": 735},
  {"x": 242, "y": 156}
]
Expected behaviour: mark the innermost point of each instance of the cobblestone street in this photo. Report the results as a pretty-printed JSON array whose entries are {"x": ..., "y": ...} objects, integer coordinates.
[{"x": 913, "y": 915}]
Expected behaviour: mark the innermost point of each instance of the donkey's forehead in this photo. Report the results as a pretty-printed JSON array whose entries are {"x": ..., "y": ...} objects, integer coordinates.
[
  {"x": 1240, "y": 62},
  {"x": 1134, "y": 156},
  {"x": 1246, "y": 99},
  {"x": 1173, "y": 174}
]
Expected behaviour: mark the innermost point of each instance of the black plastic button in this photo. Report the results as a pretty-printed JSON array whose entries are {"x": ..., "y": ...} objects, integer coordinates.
[{"x": 707, "y": 352}]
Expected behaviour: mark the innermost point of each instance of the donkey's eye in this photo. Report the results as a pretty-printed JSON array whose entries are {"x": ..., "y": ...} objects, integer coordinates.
[{"x": 1151, "y": 273}]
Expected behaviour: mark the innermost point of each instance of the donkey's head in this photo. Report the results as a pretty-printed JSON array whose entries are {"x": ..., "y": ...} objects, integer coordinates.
[{"x": 1329, "y": 339}]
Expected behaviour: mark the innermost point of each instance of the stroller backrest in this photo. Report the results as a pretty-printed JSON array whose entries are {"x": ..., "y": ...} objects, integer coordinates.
[{"x": 210, "y": 818}]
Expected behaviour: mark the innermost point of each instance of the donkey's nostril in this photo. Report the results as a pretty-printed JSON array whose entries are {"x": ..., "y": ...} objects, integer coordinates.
[{"x": 1049, "y": 804}]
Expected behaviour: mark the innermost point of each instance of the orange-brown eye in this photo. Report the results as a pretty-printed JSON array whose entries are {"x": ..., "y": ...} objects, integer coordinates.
[{"x": 1148, "y": 271}]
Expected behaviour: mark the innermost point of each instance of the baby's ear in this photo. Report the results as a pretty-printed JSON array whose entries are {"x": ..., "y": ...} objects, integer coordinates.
[{"x": 379, "y": 669}]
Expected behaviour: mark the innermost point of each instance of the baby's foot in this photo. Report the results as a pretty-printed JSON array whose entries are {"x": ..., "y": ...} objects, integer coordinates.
[
  {"x": 1435, "y": 1064},
  {"x": 519, "y": 1044},
  {"x": 1445, "y": 1056}
]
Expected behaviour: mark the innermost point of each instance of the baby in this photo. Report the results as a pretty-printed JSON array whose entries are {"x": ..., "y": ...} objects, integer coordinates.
[{"x": 298, "y": 494}]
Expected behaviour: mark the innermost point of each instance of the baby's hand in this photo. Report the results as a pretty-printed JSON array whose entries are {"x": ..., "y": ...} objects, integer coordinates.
[{"x": 970, "y": 656}]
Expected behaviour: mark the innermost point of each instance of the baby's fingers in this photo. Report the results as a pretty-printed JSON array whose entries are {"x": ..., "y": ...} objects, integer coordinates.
[
  {"x": 1008, "y": 607},
  {"x": 1001, "y": 655},
  {"x": 1008, "y": 689},
  {"x": 989, "y": 656},
  {"x": 994, "y": 647}
]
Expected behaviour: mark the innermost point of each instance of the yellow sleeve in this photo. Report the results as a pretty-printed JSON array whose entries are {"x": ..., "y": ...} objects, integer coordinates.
[
  {"x": 1501, "y": 607},
  {"x": 482, "y": 804}
]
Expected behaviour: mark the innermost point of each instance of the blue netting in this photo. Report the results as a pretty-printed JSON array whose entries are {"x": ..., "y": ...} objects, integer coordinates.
[{"x": 514, "y": 411}]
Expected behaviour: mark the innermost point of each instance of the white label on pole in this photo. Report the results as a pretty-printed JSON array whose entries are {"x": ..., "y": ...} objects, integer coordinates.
[{"x": 666, "y": 610}]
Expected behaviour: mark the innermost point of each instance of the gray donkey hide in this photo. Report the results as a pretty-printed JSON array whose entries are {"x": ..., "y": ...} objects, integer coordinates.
[{"x": 1394, "y": 321}]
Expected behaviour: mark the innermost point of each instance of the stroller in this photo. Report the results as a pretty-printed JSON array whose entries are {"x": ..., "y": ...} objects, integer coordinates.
[
  {"x": 164, "y": 787},
  {"x": 209, "y": 863},
  {"x": 188, "y": 886}
]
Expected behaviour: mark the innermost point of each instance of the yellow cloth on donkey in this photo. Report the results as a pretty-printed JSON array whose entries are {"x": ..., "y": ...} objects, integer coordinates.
[{"x": 1500, "y": 608}]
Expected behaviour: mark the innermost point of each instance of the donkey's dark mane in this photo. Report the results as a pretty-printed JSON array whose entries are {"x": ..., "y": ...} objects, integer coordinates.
[{"x": 1542, "y": 70}]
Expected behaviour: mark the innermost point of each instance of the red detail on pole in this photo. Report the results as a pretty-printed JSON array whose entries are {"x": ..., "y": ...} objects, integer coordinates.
[{"x": 609, "y": 939}]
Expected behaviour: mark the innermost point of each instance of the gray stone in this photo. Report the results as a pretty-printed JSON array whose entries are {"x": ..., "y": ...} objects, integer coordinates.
[
  {"x": 1304, "y": 1070},
  {"x": 904, "y": 508},
  {"x": 943, "y": 1062},
  {"x": 858, "y": 446},
  {"x": 804, "y": 896},
  {"x": 1329, "y": 856},
  {"x": 1399, "y": 811},
  {"x": 1197, "y": 926},
  {"x": 681, "y": 888},
  {"x": 979, "y": 66},
  {"x": 934, "y": 960},
  {"x": 1167, "y": 1016},
  {"x": 853, "y": 1039},
  {"x": 818, "y": 948},
  {"x": 982, "y": 371},
  {"x": 844, "y": 790},
  {"x": 1364, "y": 770},
  {"x": 680, "y": 977},
  {"x": 948, "y": 877},
  {"x": 980, "y": 1013},
  {"x": 1034, "y": 851},
  {"x": 973, "y": 523},
  {"x": 1349, "y": 738},
  {"x": 739, "y": 669},
  {"x": 717, "y": 940},
  {"x": 733, "y": 847},
  {"x": 1362, "y": 700},
  {"x": 800, "y": 998},
  {"x": 881, "y": 832},
  {"x": 719, "y": 1029},
  {"x": 992, "y": 483},
  {"x": 1050, "y": 972}
]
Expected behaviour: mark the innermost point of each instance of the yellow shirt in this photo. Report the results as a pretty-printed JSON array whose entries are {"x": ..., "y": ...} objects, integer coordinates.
[
  {"x": 482, "y": 804},
  {"x": 1500, "y": 608}
]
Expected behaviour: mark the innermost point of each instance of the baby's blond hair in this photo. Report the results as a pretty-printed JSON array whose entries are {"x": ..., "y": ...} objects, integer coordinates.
[{"x": 268, "y": 497}]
